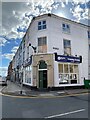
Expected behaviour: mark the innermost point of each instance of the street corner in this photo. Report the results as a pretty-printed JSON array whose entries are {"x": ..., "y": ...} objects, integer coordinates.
[{"x": 18, "y": 94}]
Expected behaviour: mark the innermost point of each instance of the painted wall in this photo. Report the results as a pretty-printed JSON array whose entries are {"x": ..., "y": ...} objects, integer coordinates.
[
  {"x": 79, "y": 42},
  {"x": 55, "y": 36}
]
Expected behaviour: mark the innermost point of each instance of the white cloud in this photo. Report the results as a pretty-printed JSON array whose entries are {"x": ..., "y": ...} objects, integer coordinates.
[
  {"x": 85, "y": 14},
  {"x": 2, "y": 41},
  {"x": 14, "y": 49},
  {"x": 3, "y": 71},
  {"x": 78, "y": 1},
  {"x": 20, "y": 13},
  {"x": 62, "y": 4},
  {"x": 17, "y": 11},
  {"x": 79, "y": 13},
  {"x": 8, "y": 56}
]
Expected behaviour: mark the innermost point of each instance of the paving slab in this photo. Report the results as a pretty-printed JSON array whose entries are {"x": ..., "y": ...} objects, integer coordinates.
[{"x": 15, "y": 89}]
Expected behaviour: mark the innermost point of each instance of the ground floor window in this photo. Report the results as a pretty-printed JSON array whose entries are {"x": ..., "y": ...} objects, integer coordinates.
[
  {"x": 68, "y": 73},
  {"x": 28, "y": 74}
]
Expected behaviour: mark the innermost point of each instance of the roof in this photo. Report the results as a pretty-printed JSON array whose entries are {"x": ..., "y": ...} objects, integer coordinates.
[{"x": 58, "y": 17}]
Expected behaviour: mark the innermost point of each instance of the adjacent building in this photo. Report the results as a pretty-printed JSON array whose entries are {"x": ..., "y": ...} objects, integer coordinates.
[{"x": 54, "y": 52}]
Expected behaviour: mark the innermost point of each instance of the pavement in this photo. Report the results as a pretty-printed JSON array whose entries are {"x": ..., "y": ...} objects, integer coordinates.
[{"x": 14, "y": 89}]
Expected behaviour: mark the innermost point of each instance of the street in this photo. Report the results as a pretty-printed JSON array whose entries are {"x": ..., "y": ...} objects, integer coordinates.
[
  {"x": 1, "y": 87},
  {"x": 54, "y": 107}
]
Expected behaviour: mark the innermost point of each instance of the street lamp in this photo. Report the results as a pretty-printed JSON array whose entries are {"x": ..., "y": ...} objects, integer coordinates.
[{"x": 34, "y": 48}]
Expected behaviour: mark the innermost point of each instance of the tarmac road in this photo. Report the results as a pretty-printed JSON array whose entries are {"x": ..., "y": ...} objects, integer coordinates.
[{"x": 54, "y": 107}]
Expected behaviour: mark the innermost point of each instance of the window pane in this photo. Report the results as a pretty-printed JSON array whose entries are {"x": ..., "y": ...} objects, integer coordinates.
[
  {"x": 67, "y": 47},
  {"x": 75, "y": 76},
  {"x": 67, "y": 43},
  {"x": 42, "y": 49},
  {"x": 63, "y": 78},
  {"x": 28, "y": 75},
  {"x": 75, "y": 68},
  {"x": 63, "y": 25},
  {"x": 44, "y": 41},
  {"x": 39, "y": 23},
  {"x": 44, "y": 22},
  {"x": 42, "y": 65},
  {"x": 66, "y": 28},
  {"x": 66, "y": 68},
  {"x": 42, "y": 45},
  {"x": 39, "y": 42},
  {"x": 60, "y": 67},
  {"x": 39, "y": 27},
  {"x": 71, "y": 68},
  {"x": 44, "y": 26}
]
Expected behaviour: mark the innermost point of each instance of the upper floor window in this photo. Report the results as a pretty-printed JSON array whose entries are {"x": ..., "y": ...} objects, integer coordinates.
[
  {"x": 42, "y": 25},
  {"x": 67, "y": 47},
  {"x": 42, "y": 44},
  {"x": 66, "y": 28},
  {"x": 88, "y": 34}
]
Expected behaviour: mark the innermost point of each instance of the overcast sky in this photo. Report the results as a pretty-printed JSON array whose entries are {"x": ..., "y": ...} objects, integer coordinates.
[{"x": 16, "y": 17}]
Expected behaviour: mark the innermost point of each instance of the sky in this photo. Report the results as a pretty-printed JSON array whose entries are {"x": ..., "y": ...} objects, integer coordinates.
[{"x": 15, "y": 17}]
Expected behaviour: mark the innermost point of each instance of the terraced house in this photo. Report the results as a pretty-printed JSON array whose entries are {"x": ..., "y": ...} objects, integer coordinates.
[{"x": 54, "y": 52}]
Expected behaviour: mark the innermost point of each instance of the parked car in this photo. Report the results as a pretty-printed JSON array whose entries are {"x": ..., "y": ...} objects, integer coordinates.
[{"x": 3, "y": 81}]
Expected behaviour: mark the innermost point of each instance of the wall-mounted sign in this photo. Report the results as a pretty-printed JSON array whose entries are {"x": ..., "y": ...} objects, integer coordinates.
[
  {"x": 28, "y": 61},
  {"x": 70, "y": 59},
  {"x": 55, "y": 48}
]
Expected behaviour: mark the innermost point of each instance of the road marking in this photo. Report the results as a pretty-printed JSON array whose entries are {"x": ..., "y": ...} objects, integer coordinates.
[
  {"x": 3, "y": 94},
  {"x": 67, "y": 113}
]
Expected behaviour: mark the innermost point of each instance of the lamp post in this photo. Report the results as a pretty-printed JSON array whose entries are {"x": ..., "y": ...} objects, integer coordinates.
[{"x": 21, "y": 78}]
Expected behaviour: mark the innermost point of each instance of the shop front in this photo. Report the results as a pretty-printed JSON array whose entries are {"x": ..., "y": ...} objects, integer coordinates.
[
  {"x": 68, "y": 69},
  {"x": 68, "y": 73}
]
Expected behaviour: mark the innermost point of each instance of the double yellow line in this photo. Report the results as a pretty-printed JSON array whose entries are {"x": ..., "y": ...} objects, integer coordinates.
[{"x": 7, "y": 95}]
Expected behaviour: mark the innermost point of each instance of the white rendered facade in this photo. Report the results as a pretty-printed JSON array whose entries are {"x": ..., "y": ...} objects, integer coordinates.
[{"x": 61, "y": 36}]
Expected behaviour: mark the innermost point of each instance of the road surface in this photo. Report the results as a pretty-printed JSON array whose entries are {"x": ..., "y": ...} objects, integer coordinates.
[{"x": 54, "y": 107}]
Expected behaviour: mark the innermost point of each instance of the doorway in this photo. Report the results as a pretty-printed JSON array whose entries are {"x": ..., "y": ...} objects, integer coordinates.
[
  {"x": 43, "y": 79},
  {"x": 42, "y": 74}
]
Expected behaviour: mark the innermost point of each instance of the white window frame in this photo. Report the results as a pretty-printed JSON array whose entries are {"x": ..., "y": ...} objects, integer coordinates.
[
  {"x": 65, "y": 29},
  {"x": 42, "y": 43},
  {"x": 42, "y": 25},
  {"x": 66, "y": 47},
  {"x": 63, "y": 73}
]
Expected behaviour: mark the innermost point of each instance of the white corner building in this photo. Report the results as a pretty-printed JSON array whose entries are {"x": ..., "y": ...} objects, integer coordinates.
[{"x": 55, "y": 52}]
